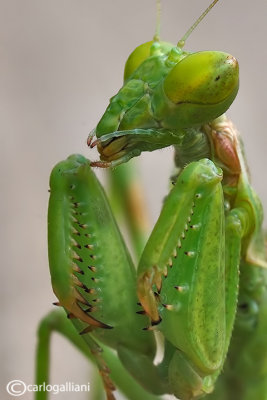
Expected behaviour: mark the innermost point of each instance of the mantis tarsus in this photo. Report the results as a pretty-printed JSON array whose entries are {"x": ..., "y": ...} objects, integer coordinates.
[{"x": 201, "y": 279}]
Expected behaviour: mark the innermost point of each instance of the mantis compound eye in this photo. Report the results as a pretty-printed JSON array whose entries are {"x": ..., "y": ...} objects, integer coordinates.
[
  {"x": 204, "y": 84},
  {"x": 141, "y": 53}
]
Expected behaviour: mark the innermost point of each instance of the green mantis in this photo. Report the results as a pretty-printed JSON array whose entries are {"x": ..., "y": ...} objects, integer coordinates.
[{"x": 201, "y": 278}]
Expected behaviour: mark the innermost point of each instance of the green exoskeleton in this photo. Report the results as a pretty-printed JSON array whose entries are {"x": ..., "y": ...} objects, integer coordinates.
[{"x": 201, "y": 281}]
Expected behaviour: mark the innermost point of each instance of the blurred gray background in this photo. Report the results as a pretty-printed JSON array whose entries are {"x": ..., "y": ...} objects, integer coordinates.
[{"x": 61, "y": 60}]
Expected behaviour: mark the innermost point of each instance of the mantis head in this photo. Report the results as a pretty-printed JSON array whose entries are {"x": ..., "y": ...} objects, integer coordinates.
[{"x": 165, "y": 88}]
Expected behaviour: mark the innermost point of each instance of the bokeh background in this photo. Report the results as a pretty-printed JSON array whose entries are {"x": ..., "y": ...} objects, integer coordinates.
[{"x": 61, "y": 60}]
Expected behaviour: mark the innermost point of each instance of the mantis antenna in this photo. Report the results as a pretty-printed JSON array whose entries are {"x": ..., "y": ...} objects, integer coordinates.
[
  {"x": 157, "y": 33},
  {"x": 181, "y": 42}
]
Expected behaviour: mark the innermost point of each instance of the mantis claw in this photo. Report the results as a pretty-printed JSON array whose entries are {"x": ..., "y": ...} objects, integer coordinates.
[
  {"x": 90, "y": 137},
  {"x": 89, "y": 140},
  {"x": 95, "y": 143},
  {"x": 75, "y": 187}
]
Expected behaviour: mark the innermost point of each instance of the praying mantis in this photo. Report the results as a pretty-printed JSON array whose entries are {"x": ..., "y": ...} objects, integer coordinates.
[{"x": 201, "y": 278}]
